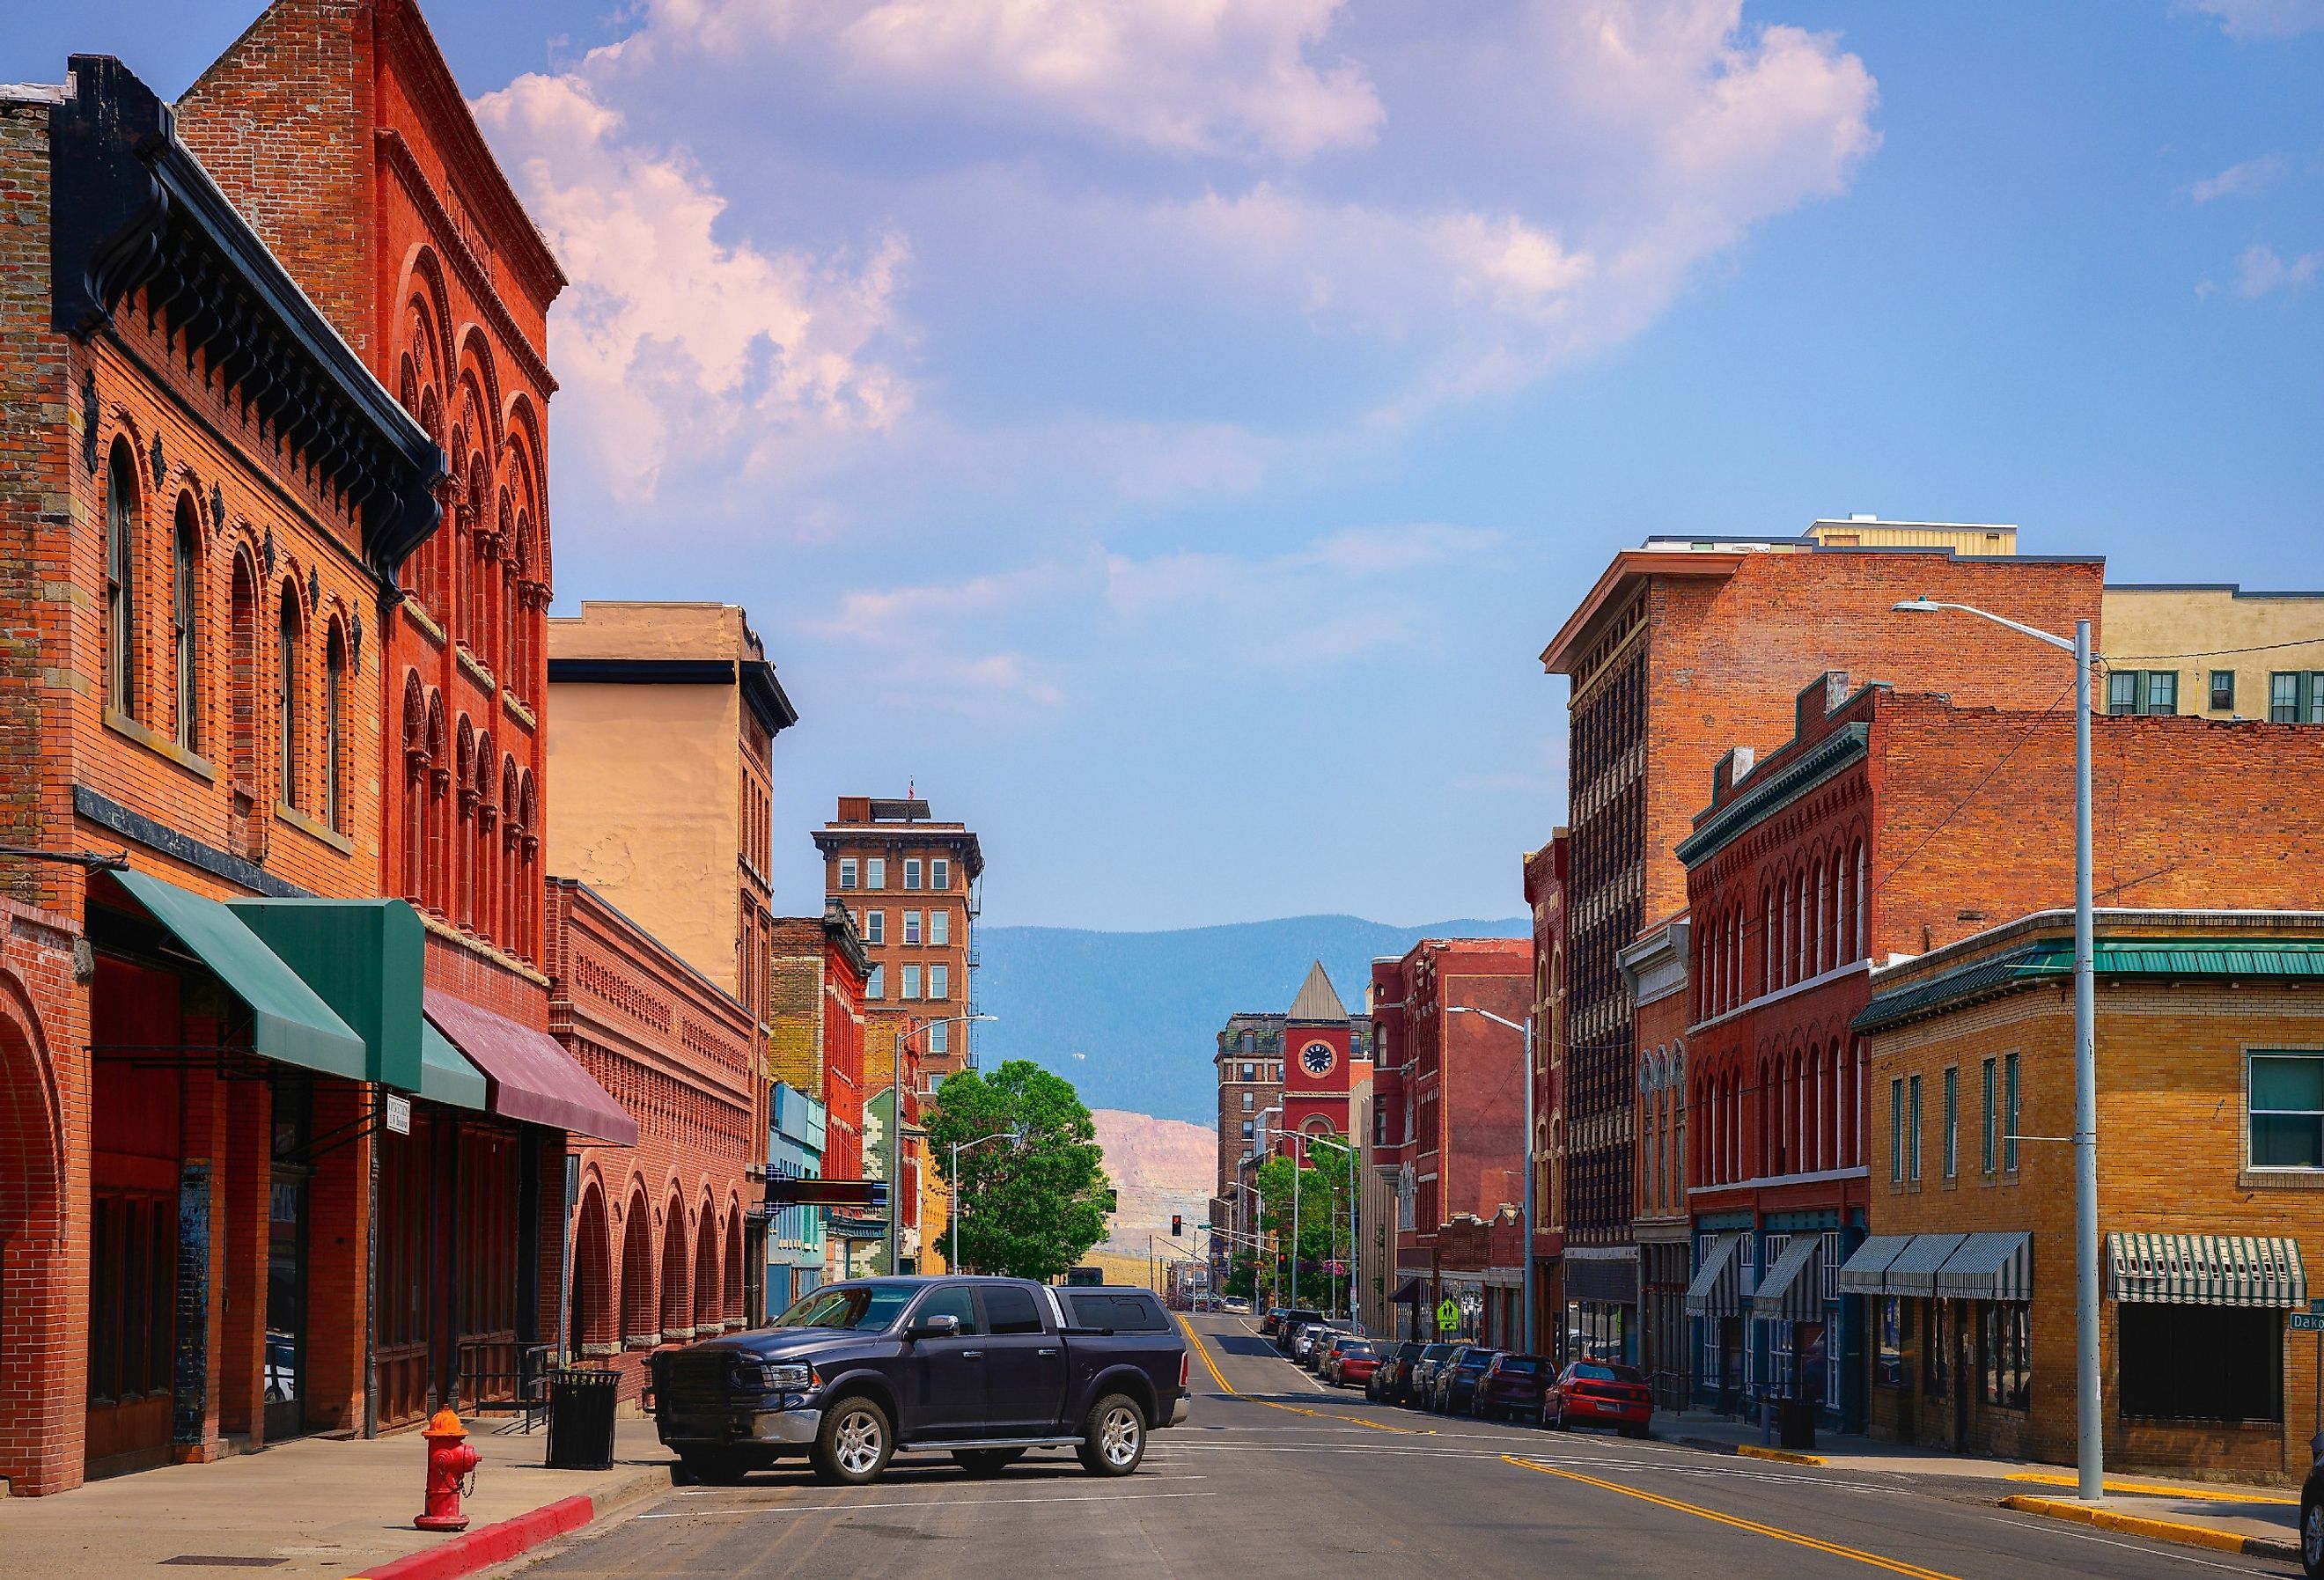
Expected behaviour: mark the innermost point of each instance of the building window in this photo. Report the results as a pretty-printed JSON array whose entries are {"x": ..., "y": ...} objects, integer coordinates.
[
  {"x": 939, "y": 927},
  {"x": 1246, "y": 1132},
  {"x": 911, "y": 982},
  {"x": 912, "y": 927},
  {"x": 2009, "y": 1112},
  {"x": 335, "y": 686},
  {"x": 1933, "y": 1351},
  {"x": 847, "y": 871},
  {"x": 121, "y": 582},
  {"x": 1895, "y": 1133},
  {"x": 1912, "y": 1139},
  {"x": 1246, "y": 1071},
  {"x": 1952, "y": 1121},
  {"x": 940, "y": 873},
  {"x": 1985, "y": 1126},
  {"x": 912, "y": 873},
  {"x": 875, "y": 927},
  {"x": 875, "y": 872},
  {"x": 2223, "y": 690},
  {"x": 186, "y": 622},
  {"x": 2154, "y": 691},
  {"x": 1889, "y": 1342},
  {"x": 2009, "y": 1354},
  {"x": 2285, "y": 1102},
  {"x": 2200, "y": 1363},
  {"x": 286, "y": 702},
  {"x": 875, "y": 986},
  {"x": 939, "y": 1037},
  {"x": 1250, "y": 1100},
  {"x": 2296, "y": 697},
  {"x": 939, "y": 981}
]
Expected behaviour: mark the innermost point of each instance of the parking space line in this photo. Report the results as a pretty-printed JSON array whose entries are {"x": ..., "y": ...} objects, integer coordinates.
[
  {"x": 1776, "y": 1533},
  {"x": 947, "y": 1504}
]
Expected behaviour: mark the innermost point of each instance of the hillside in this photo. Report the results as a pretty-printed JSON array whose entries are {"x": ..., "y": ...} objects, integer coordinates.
[
  {"x": 1131, "y": 1018},
  {"x": 1158, "y": 1167}
]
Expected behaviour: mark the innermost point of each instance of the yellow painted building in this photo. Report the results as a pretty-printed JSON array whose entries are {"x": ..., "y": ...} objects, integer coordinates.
[{"x": 2213, "y": 650}]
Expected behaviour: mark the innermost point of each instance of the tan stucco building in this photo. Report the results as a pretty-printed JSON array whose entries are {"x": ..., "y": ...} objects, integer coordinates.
[
  {"x": 2213, "y": 650},
  {"x": 664, "y": 718}
]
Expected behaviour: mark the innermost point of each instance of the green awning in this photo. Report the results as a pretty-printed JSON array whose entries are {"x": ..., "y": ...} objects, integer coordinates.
[
  {"x": 2051, "y": 959},
  {"x": 365, "y": 958},
  {"x": 290, "y": 1021},
  {"x": 445, "y": 1077},
  {"x": 1792, "y": 1290},
  {"x": 2205, "y": 1270},
  {"x": 1718, "y": 1287}
]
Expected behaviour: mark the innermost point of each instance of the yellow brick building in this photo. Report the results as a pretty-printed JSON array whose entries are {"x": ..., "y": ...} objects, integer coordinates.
[{"x": 2210, "y": 1085}]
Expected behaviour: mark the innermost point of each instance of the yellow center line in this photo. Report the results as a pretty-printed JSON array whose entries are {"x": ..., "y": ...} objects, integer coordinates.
[
  {"x": 1814, "y": 1544},
  {"x": 1212, "y": 1366}
]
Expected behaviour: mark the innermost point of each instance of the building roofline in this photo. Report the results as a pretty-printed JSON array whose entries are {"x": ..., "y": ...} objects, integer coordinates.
[
  {"x": 2233, "y": 589},
  {"x": 1625, "y": 564},
  {"x": 664, "y": 950}
]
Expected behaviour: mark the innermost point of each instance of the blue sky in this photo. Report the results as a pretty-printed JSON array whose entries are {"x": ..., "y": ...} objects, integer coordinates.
[{"x": 1168, "y": 434}]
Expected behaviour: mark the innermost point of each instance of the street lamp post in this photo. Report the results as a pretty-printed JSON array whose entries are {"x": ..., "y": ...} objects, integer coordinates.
[
  {"x": 1015, "y": 1137},
  {"x": 2090, "y": 1429},
  {"x": 1525, "y": 1029},
  {"x": 896, "y": 1135},
  {"x": 1348, "y": 1148}
]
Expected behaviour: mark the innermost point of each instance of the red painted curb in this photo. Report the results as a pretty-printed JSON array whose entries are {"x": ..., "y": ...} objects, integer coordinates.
[{"x": 487, "y": 1544}]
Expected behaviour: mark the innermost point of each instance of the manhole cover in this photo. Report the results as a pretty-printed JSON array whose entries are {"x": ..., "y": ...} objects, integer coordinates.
[{"x": 214, "y": 1561}]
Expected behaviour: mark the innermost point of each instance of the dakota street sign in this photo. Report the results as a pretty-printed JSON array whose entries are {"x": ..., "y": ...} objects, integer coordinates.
[{"x": 2307, "y": 1322}]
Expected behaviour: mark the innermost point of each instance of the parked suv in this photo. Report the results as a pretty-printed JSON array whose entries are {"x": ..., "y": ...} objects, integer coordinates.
[
  {"x": 1289, "y": 1322},
  {"x": 980, "y": 1368},
  {"x": 1420, "y": 1381},
  {"x": 1388, "y": 1382},
  {"x": 1513, "y": 1386},
  {"x": 1456, "y": 1380}
]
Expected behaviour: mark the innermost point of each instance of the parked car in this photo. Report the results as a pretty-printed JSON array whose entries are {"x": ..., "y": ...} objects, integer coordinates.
[
  {"x": 1513, "y": 1386},
  {"x": 2312, "y": 1522},
  {"x": 1388, "y": 1382},
  {"x": 1309, "y": 1337},
  {"x": 1420, "y": 1381},
  {"x": 1456, "y": 1381},
  {"x": 1320, "y": 1346},
  {"x": 1271, "y": 1325},
  {"x": 1599, "y": 1393},
  {"x": 1295, "y": 1318},
  {"x": 856, "y": 1372},
  {"x": 1235, "y": 1305},
  {"x": 1351, "y": 1364}
]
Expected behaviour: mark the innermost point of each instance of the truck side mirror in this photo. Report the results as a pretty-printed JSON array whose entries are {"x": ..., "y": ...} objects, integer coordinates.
[{"x": 943, "y": 1324}]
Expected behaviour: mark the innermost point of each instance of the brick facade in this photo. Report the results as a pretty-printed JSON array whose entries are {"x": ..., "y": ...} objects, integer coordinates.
[
  {"x": 1248, "y": 1059},
  {"x": 815, "y": 1043}
]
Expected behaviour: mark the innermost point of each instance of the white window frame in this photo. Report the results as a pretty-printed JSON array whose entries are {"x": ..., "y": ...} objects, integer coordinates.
[
  {"x": 911, "y": 872},
  {"x": 911, "y": 984},
  {"x": 875, "y": 986},
  {"x": 940, "y": 981},
  {"x": 940, "y": 927},
  {"x": 847, "y": 873},
  {"x": 940, "y": 873},
  {"x": 875, "y": 927},
  {"x": 939, "y": 1037},
  {"x": 912, "y": 928},
  {"x": 875, "y": 872}
]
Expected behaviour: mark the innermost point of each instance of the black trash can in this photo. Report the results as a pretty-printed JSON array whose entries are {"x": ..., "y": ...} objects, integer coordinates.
[
  {"x": 581, "y": 1418},
  {"x": 1796, "y": 1425}
]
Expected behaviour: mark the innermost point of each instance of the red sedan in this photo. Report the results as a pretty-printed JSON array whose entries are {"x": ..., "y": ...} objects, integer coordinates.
[
  {"x": 1351, "y": 1363},
  {"x": 1595, "y": 1393}
]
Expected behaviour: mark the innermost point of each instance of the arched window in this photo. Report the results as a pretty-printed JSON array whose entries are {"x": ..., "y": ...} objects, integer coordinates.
[
  {"x": 121, "y": 581},
  {"x": 289, "y": 725},
  {"x": 1816, "y": 961},
  {"x": 1863, "y": 901},
  {"x": 335, "y": 687},
  {"x": 243, "y": 714},
  {"x": 186, "y": 622},
  {"x": 415, "y": 790},
  {"x": 1767, "y": 947}
]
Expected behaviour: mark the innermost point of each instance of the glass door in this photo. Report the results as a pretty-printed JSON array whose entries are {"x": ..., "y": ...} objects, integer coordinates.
[{"x": 286, "y": 1267}]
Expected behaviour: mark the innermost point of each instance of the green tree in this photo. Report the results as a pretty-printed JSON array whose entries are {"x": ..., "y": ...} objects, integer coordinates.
[
  {"x": 1323, "y": 1238},
  {"x": 1031, "y": 1208}
]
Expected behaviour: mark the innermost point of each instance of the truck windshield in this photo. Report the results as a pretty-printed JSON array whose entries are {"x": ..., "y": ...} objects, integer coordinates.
[{"x": 866, "y": 1308}]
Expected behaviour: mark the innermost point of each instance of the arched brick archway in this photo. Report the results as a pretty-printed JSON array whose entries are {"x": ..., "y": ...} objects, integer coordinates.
[
  {"x": 640, "y": 1313},
  {"x": 677, "y": 1285},
  {"x": 40, "y": 1448},
  {"x": 707, "y": 1316},
  {"x": 732, "y": 1308},
  {"x": 589, "y": 1321}
]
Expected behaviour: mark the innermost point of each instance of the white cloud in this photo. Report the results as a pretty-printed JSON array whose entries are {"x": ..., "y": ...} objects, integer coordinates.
[
  {"x": 672, "y": 343},
  {"x": 2262, "y": 269},
  {"x": 2244, "y": 20},
  {"x": 2238, "y": 180},
  {"x": 1245, "y": 77}
]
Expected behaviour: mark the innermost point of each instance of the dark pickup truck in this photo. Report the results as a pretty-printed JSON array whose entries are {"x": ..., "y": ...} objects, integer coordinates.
[{"x": 980, "y": 1368}]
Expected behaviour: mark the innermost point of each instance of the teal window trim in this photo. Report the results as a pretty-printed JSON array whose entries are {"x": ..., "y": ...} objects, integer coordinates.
[
  {"x": 2143, "y": 692},
  {"x": 1985, "y": 1153},
  {"x": 1912, "y": 1140},
  {"x": 2295, "y": 696},
  {"x": 1896, "y": 1132},
  {"x": 1952, "y": 1121},
  {"x": 2009, "y": 1111}
]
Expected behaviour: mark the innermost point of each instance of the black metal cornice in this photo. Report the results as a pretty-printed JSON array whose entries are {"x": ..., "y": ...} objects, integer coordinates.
[{"x": 132, "y": 206}]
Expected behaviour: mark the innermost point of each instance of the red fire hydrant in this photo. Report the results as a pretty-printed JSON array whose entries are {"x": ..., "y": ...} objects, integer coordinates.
[{"x": 450, "y": 1461}]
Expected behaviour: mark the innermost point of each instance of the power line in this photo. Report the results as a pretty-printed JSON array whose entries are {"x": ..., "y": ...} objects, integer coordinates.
[{"x": 2039, "y": 719}]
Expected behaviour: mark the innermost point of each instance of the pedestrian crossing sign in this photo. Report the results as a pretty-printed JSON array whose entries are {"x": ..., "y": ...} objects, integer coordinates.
[{"x": 1448, "y": 1317}]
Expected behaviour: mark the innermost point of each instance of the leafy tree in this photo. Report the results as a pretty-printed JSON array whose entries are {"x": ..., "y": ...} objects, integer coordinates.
[
  {"x": 1324, "y": 1204},
  {"x": 1033, "y": 1208}
]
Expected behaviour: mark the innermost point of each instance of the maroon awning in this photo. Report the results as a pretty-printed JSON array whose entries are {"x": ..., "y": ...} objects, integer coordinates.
[{"x": 532, "y": 1078}]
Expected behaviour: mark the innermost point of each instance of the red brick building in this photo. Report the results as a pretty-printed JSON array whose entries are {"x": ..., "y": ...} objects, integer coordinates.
[
  {"x": 1545, "y": 876},
  {"x": 817, "y": 1045},
  {"x": 207, "y": 497},
  {"x": 1457, "y": 1102},
  {"x": 1681, "y": 649},
  {"x": 658, "y": 1239},
  {"x": 1656, "y": 969}
]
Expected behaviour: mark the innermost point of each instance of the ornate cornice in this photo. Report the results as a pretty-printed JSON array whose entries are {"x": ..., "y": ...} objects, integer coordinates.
[{"x": 396, "y": 155}]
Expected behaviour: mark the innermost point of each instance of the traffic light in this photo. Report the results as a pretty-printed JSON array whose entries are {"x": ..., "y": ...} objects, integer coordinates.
[{"x": 1177, "y": 1225}]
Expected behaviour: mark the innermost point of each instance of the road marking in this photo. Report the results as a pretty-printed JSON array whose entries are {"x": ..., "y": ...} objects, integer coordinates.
[
  {"x": 950, "y": 1504},
  {"x": 1776, "y": 1533},
  {"x": 2128, "y": 1547}
]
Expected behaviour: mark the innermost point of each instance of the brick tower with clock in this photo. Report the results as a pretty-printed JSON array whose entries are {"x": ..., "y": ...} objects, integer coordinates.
[{"x": 1323, "y": 1058}]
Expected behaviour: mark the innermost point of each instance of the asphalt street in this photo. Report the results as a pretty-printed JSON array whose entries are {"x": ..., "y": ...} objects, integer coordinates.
[{"x": 1275, "y": 1473}]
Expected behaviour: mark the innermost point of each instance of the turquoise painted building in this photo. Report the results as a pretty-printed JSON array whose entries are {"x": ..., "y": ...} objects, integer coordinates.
[{"x": 795, "y": 1238}]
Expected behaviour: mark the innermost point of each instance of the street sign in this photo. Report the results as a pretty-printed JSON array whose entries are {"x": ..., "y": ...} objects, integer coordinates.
[
  {"x": 399, "y": 1114},
  {"x": 2307, "y": 1322},
  {"x": 2316, "y": 1309},
  {"x": 1448, "y": 1317}
]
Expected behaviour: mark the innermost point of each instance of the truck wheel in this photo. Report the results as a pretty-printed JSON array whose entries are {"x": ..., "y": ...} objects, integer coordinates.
[
  {"x": 2311, "y": 1536},
  {"x": 853, "y": 1445},
  {"x": 715, "y": 1468},
  {"x": 1113, "y": 1437},
  {"x": 983, "y": 1462}
]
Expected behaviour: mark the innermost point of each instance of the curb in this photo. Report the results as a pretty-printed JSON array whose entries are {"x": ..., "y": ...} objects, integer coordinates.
[
  {"x": 1781, "y": 1456},
  {"x": 487, "y": 1545},
  {"x": 2193, "y": 1536}
]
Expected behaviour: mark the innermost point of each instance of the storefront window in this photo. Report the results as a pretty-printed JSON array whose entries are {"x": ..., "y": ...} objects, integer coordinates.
[
  {"x": 1889, "y": 1356},
  {"x": 1932, "y": 1352},
  {"x": 2200, "y": 1363},
  {"x": 2008, "y": 1355}
]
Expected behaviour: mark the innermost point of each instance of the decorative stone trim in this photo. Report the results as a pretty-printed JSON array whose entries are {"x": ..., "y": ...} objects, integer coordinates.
[
  {"x": 599, "y": 1352},
  {"x": 312, "y": 829},
  {"x": 154, "y": 741},
  {"x": 641, "y": 1341}
]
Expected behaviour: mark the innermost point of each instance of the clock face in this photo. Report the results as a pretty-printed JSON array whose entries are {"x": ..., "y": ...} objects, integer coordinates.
[{"x": 1317, "y": 1059}]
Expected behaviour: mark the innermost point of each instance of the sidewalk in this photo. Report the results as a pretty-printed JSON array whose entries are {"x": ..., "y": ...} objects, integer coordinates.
[
  {"x": 321, "y": 1507},
  {"x": 2233, "y": 1517}
]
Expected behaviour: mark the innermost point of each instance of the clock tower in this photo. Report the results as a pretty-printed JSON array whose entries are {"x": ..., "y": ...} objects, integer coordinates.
[{"x": 1320, "y": 1055}]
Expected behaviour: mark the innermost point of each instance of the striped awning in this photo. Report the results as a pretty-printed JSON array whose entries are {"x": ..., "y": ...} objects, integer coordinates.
[
  {"x": 1915, "y": 1270},
  {"x": 1990, "y": 1265},
  {"x": 1792, "y": 1290},
  {"x": 2205, "y": 1270},
  {"x": 1718, "y": 1287},
  {"x": 1866, "y": 1271}
]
